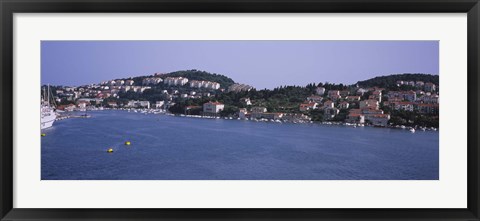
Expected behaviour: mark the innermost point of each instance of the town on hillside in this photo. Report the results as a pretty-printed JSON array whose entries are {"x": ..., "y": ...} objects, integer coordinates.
[{"x": 389, "y": 101}]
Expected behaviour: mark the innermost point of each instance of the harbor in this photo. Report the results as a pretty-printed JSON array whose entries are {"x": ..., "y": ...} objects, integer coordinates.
[{"x": 166, "y": 147}]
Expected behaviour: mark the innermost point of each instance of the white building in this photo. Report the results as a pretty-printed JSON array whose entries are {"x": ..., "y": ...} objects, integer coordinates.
[
  {"x": 129, "y": 82},
  {"x": 152, "y": 81},
  {"x": 213, "y": 107},
  {"x": 204, "y": 84},
  {"x": 320, "y": 90},
  {"x": 143, "y": 104},
  {"x": 159, "y": 104},
  {"x": 176, "y": 81}
]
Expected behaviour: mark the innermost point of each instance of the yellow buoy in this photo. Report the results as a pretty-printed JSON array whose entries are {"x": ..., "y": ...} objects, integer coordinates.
[
  {"x": 43, "y": 135},
  {"x": 110, "y": 150},
  {"x": 127, "y": 143}
]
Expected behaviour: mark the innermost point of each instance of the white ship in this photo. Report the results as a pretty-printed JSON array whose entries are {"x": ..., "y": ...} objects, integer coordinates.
[{"x": 47, "y": 111}]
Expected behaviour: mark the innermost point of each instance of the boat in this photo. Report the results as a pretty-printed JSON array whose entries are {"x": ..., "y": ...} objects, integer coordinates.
[
  {"x": 47, "y": 111},
  {"x": 412, "y": 130}
]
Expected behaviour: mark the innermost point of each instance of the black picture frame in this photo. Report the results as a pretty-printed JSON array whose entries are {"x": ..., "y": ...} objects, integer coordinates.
[{"x": 9, "y": 7}]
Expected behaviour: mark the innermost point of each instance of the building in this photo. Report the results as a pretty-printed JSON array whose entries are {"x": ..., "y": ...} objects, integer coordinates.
[
  {"x": 315, "y": 98},
  {"x": 308, "y": 106},
  {"x": 204, "y": 84},
  {"x": 242, "y": 113},
  {"x": 159, "y": 104},
  {"x": 371, "y": 104},
  {"x": 402, "y": 105},
  {"x": 139, "y": 104},
  {"x": 333, "y": 93},
  {"x": 380, "y": 120},
  {"x": 344, "y": 93},
  {"x": 119, "y": 82},
  {"x": 259, "y": 109},
  {"x": 112, "y": 104},
  {"x": 320, "y": 91},
  {"x": 427, "y": 108},
  {"x": 328, "y": 104},
  {"x": 355, "y": 118},
  {"x": 129, "y": 82},
  {"x": 344, "y": 105},
  {"x": 433, "y": 99},
  {"x": 239, "y": 87},
  {"x": 212, "y": 107},
  {"x": 152, "y": 81},
  {"x": 430, "y": 87},
  {"x": 175, "y": 81},
  {"x": 329, "y": 113},
  {"x": 353, "y": 98}
]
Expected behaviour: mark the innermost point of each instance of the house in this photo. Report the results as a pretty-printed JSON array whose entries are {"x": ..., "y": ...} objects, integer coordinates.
[
  {"x": 333, "y": 93},
  {"x": 433, "y": 98},
  {"x": 136, "y": 104},
  {"x": 329, "y": 112},
  {"x": 361, "y": 91},
  {"x": 308, "y": 106},
  {"x": 371, "y": 104},
  {"x": 402, "y": 105},
  {"x": 427, "y": 108},
  {"x": 242, "y": 113},
  {"x": 353, "y": 98},
  {"x": 343, "y": 105},
  {"x": 129, "y": 82},
  {"x": 344, "y": 93},
  {"x": 119, "y": 82},
  {"x": 410, "y": 95},
  {"x": 376, "y": 95},
  {"x": 259, "y": 109},
  {"x": 320, "y": 91},
  {"x": 430, "y": 87},
  {"x": 328, "y": 104},
  {"x": 380, "y": 120},
  {"x": 246, "y": 101},
  {"x": 355, "y": 118},
  {"x": 112, "y": 104},
  {"x": 272, "y": 116},
  {"x": 419, "y": 84},
  {"x": 213, "y": 107},
  {"x": 335, "y": 97},
  {"x": 159, "y": 104},
  {"x": 314, "y": 98}
]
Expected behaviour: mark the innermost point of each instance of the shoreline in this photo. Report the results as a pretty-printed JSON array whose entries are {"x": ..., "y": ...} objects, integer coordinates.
[{"x": 411, "y": 129}]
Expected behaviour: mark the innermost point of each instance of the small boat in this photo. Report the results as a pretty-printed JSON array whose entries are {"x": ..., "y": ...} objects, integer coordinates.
[{"x": 412, "y": 130}]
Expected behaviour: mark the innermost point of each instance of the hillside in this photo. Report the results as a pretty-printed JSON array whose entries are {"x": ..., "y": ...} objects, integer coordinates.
[
  {"x": 224, "y": 81},
  {"x": 391, "y": 80}
]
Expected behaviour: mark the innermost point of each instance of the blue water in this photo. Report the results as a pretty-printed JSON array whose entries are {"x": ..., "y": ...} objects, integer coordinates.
[{"x": 177, "y": 148}]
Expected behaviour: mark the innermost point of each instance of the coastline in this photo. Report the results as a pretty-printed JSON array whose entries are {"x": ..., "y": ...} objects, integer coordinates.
[{"x": 163, "y": 112}]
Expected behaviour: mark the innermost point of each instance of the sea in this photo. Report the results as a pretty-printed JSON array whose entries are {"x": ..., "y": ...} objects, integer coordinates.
[{"x": 164, "y": 147}]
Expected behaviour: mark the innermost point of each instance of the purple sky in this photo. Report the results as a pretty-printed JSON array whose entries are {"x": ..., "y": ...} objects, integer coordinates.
[{"x": 262, "y": 64}]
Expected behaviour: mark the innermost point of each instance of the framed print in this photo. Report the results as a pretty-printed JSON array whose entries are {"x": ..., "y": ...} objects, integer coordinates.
[{"x": 239, "y": 110}]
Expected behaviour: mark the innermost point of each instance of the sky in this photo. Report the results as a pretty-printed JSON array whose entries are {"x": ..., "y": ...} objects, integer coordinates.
[{"x": 262, "y": 64}]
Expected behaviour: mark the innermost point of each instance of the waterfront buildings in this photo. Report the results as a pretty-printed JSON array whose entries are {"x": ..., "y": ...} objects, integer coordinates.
[
  {"x": 213, "y": 107},
  {"x": 139, "y": 104}
]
